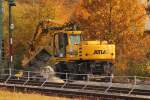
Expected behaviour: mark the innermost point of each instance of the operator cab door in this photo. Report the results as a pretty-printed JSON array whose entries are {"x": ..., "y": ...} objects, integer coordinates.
[{"x": 60, "y": 43}]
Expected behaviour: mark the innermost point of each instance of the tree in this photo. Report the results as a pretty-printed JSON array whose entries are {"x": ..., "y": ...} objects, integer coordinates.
[
  {"x": 122, "y": 16},
  {"x": 118, "y": 21},
  {"x": 27, "y": 14},
  {"x": 25, "y": 17}
]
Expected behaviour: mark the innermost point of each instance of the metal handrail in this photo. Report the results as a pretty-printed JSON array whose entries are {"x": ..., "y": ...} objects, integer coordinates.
[
  {"x": 134, "y": 79},
  {"x": 69, "y": 82}
]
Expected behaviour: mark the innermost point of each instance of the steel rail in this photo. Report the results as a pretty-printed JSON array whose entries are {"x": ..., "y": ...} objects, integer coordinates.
[
  {"x": 80, "y": 92},
  {"x": 129, "y": 90},
  {"x": 77, "y": 89}
]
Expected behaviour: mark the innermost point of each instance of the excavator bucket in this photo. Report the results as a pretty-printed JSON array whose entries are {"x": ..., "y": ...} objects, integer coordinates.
[{"x": 37, "y": 60}]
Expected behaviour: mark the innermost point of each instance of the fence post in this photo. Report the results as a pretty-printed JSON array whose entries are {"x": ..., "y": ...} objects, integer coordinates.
[
  {"x": 28, "y": 75},
  {"x": 10, "y": 71},
  {"x": 9, "y": 75},
  {"x": 66, "y": 77},
  {"x": 134, "y": 80},
  {"x": 88, "y": 77},
  {"x": 111, "y": 78}
]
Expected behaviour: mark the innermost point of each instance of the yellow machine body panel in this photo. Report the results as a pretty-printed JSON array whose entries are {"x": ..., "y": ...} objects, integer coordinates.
[
  {"x": 97, "y": 52},
  {"x": 91, "y": 50}
]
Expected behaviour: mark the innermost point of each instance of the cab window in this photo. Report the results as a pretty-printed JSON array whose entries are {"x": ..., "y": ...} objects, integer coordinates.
[
  {"x": 75, "y": 39},
  {"x": 60, "y": 44}
]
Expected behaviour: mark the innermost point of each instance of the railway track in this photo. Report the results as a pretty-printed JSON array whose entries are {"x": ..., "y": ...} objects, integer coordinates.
[{"x": 122, "y": 91}]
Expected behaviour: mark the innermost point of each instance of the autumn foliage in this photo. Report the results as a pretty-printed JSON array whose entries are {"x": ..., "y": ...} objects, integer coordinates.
[
  {"x": 121, "y": 22},
  {"x": 118, "y": 21}
]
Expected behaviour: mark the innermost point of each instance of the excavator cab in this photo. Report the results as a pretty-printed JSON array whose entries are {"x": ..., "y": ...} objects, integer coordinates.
[{"x": 66, "y": 42}]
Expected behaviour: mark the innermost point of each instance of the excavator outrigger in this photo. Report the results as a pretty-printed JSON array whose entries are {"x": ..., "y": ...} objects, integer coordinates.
[{"x": 62, "y": 47}]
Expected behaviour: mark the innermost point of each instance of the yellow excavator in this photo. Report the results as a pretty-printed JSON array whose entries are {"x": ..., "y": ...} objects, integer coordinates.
[{"x": 63, "y": 48}]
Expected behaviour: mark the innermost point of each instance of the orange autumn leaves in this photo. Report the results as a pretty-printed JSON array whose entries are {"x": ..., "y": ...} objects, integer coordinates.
[
  {"x": 119, "y": 21},
  {"x": 123, "y": 25},
  {"x": 125, "y": 16}
]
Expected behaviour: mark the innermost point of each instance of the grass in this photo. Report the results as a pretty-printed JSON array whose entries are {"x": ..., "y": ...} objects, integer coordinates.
[{"x": 7, "y": 95}]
